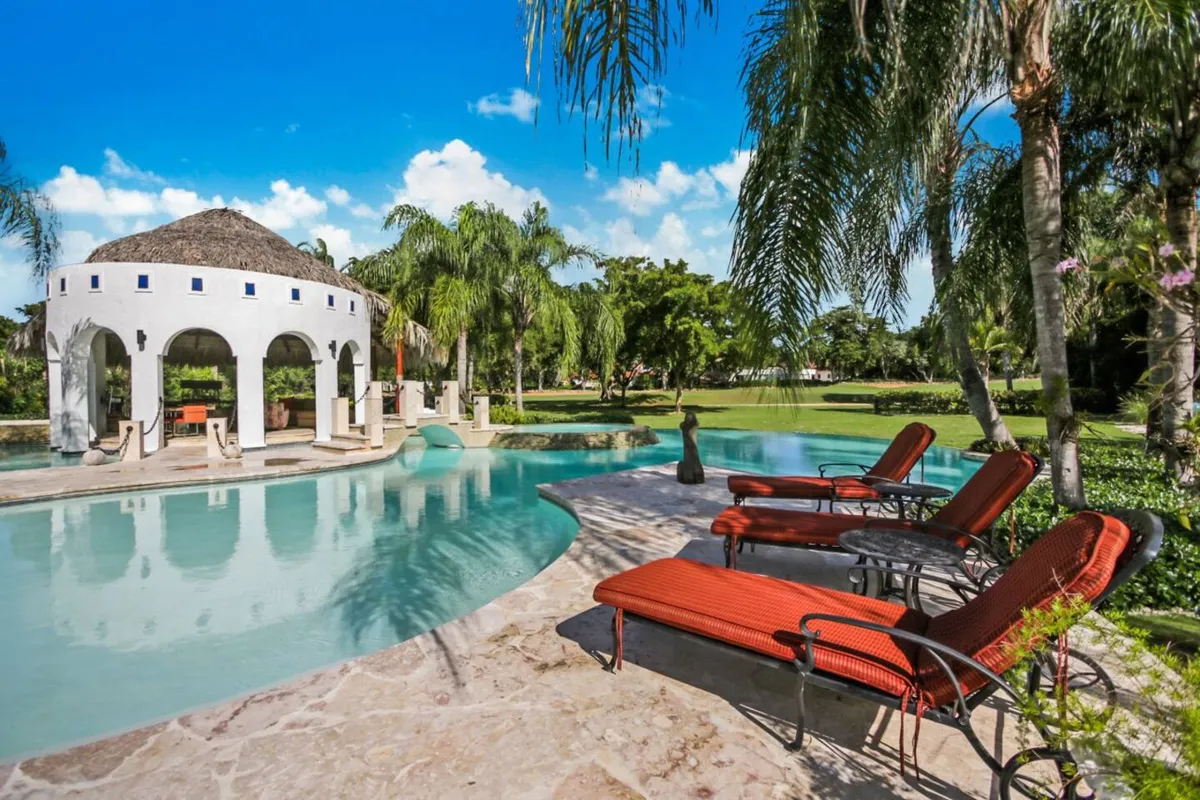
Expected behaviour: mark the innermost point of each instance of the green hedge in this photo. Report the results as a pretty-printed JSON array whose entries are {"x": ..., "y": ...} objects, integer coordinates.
[
  {"x": 1030, "y": 444},
  {"x": 1121, "y": 476},
  {"x": 1021, "y": 402}
]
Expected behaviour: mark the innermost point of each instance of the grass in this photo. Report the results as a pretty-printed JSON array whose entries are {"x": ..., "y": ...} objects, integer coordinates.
[
  {"x": 761, "y": 409},
  {"x": 1181, "y": 631}
]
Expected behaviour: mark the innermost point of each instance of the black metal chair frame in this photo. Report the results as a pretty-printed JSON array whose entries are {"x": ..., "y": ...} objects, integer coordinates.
[{"x": 1143, "y": 548}]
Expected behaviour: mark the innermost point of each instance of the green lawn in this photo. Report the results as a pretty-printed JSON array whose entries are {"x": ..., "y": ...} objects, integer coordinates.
[
  {"x": 1181, "y": 631},
  {"x": 759, "y": 409}
]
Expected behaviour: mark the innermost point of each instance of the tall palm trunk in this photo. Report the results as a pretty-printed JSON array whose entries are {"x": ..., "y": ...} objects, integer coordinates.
[
  {"x": 1035, "y": 94},
  {"x": 462, "y": 363},
  {"x": 1178, "y": 332},
  {"x": 678, "y": 392},
  {"x": 1006, "y": 360},
  {"x": 974, "y": 385},
  {"x": 1156, "y": 373},
  {"x": 519, "y": 365}
]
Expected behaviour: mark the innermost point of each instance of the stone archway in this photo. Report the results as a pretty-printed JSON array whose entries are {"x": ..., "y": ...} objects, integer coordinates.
[{"x": 78, "y": 373}]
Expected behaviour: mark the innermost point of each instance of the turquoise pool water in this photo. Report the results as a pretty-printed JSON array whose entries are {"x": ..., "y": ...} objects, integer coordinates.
[
  {"x": 123, "y": 609},
  {"x": 35, "y": 456},
  {"x": 573, "y": 427}
]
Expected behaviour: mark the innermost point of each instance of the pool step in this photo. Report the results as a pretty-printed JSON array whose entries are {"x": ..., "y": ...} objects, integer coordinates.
[{"x": 338, "y": 445}]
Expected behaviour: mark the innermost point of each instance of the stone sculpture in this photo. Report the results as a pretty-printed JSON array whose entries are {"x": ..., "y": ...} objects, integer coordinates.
[{"x": 689, "y": 469}]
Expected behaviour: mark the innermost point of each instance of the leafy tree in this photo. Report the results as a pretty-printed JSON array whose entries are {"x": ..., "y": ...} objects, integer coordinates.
[
  {"x": 601, "y": 331},
  {"x": 450, "y": 268},
  {"x": 27, "y": 215},
  {"x": 526, "y": 254}
]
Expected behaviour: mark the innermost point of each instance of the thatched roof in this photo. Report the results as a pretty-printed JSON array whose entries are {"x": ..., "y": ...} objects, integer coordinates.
[{"x": 222, "y": 237}]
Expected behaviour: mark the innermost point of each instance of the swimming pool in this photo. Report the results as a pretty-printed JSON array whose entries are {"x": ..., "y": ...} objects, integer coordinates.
[
  {"x": 36, "y": 456},
  {"x": 119, "y": 610}
]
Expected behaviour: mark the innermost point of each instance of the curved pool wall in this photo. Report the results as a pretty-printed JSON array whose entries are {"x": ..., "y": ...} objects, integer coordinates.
[
  {"x": 575, "y": 436},
  {"x": 123, "y": 609}
]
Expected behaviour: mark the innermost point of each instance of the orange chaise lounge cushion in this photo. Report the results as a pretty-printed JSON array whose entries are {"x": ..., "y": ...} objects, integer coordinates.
[
  {"x": 1077, "y": 558},
  {"x": 976, "y": 506},
  {"x": 762, "y": 614},
  {"x": 894, "y": 465}
]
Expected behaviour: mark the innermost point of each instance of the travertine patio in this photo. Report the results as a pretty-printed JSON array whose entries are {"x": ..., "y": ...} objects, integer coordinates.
[{"x": 512, "y": 700}]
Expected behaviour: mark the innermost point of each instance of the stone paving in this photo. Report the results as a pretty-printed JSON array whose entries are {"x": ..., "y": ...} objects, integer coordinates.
[
  {"x": 512, "y": 701},
  {"x": 176, "y": 465}
]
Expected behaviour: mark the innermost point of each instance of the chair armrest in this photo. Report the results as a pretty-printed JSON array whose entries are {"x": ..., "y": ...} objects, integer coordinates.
[
  {"x": 822, "y": 467},
  {"x": 939, "y": 651}
]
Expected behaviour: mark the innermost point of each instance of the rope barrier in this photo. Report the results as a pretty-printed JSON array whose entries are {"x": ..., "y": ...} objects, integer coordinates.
[
  {"x": 217, "y": 436},
  {"x": 157, "y": 417}
]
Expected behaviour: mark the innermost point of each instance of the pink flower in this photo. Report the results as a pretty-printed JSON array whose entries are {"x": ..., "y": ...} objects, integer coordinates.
[
  {"x": 1167, "y": 250},
  {"x": 1173, "y": 280},
  {"x": 1067, "y": 265}
]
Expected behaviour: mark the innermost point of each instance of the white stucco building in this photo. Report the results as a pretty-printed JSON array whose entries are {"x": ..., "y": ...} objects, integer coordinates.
[{"x": 216, "y": 275}]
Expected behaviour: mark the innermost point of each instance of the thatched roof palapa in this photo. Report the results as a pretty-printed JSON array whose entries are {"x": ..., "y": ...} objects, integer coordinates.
[{"x": 222, "y": 237}]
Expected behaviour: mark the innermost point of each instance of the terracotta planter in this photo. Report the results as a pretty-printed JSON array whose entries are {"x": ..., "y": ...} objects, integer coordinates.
[{"x": 275, "y": 415}]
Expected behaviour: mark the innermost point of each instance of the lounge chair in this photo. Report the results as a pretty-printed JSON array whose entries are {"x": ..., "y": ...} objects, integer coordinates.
[
  {"x": 964, "y": 519},
  {"x": 937, "y": 667},
  {"x": 905, "y": 451}
]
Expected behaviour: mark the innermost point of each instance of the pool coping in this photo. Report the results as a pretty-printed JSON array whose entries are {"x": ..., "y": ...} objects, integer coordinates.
[{"x": 217, "y": 472}]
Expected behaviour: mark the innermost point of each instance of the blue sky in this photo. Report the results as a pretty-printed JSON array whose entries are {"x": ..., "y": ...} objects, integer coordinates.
[{"x": 314, "y": 118}]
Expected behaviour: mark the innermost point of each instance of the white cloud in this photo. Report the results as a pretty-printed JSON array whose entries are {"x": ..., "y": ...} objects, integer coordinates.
[
  {"x": 365, "y": 211},
  {"x": 641, "y": 196},
  {"x": 442, "y": 180},
  {"x": 339, "y": 242},
  {"x": 73, "y": 193},
  {"x": 671, "y": 239},
  {"x": 651, "y": 100},
  {"x": 520, "y": 105},
  {"x": 730, "y": 173},
  {"x": 76, "y": 246},
  {"x": 184, "y": 202},
  {"x": 286, "y": 208},
  {"x": 709, "y": 231},
  {"x": 292, "y": 127},
  {"x": 590, "y": 173},
  {"x": 337, "y": 195},
  {"x": 120, "y": 168}
]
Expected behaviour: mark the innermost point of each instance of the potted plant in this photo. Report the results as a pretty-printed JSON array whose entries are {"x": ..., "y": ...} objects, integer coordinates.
[{"x": 280, "y": 386}]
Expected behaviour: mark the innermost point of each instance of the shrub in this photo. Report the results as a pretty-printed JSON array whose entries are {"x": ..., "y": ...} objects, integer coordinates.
[
  {"x": 1021, "y": 402},
  {"x": 1122, "y": 476},
  {"x": 1030, "y": 444}
]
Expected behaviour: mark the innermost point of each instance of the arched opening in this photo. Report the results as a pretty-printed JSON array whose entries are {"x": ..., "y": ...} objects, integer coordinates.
[
  {"x": 99, "y": 543},
  {"x": 199, "y": 382},
  {"x": 95, "y": 380},
  {"x": 289, "y": 385},
  {"x": 352, "y": 378},
  {"x": 292, "y": 523}
]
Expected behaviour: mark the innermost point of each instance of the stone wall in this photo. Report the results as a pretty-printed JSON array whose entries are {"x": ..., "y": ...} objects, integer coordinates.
[
  {"x": 24, "y": 431},
  {"x": 636, "y": 436}
]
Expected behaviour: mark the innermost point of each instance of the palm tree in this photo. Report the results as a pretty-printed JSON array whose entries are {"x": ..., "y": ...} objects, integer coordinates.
[
  {"x": 1140, "y": 62},
  {"x": 27, "y": 215},
  {"x": 454, "y": 263},
  {"x": 602, "y": 332},
  {"x": 816, "y": 94},
  {"x": 528, "y": 253},
  {"x": 318, "y": 251}
]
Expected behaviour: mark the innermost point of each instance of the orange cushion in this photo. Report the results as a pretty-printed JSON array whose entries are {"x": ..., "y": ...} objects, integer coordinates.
[
  {"x": 983, "y": 498},
  {"x": 763, "y": 614},
  {"x": 784, "y": 526},
  {"x": 801, "y": 487},
  {"x": 1076, "y": 558},
  {"x": 904, "y": 452}
]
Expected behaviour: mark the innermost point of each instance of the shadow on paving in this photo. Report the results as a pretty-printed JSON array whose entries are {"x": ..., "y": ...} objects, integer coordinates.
[{"x": 844, "y": 755}]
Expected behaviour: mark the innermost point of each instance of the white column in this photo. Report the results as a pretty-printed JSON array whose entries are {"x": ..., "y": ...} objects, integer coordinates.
[
  {"x": 360, "y": 386},
  {"x": 97, "y": 408},
  {"x": 326, "y": 391},
  {"x": 54, "y": 390},
  {"x": 76, "y": 398},
  {"x": 251, "y": 428},
  {"x": 145, "y": 377}
]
